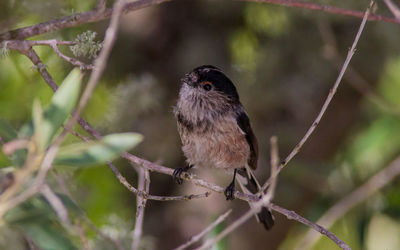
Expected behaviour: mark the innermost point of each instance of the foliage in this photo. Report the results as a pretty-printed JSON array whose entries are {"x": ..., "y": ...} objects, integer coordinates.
[{"x": 35, "y": 217}]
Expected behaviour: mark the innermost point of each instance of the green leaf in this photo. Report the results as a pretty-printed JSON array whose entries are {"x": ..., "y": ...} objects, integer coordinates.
[
  {"x": 48, "y": 237},
  {"x": 6, "y": 131},
  {"x": 37, "y": 116},
  {"x": 36, "y": 218},
  {"x": 90, "y": 153},
  {"x": 61, "y": 105},
  {"x": 56, "y": 114}
]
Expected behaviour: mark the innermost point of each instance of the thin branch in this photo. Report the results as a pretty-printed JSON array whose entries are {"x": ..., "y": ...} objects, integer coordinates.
[
  {"x": 186, "y": 176},
  {"x": 73, "y": 20},
  {"x": 81, "y": 233},
  {"x": 147, "y": 196},
  {"x": 274, "y": 167},
  {"x": 73, "y": 61},
  {"x": 206, "y": 230},
  {"x": 327, "y": 9},
  {"x": 208, "y": 244},
  {"x": 393, "y": 8},
  {"x": 291, "y": 215},
  {"x": 375, "y": 183},
  {"x": 328, "y": 100},
  {"x": 143, "y": 185},
  {"x": 57, "y": 205},
  {"x": 10, "y": 147},
  {"x": 101, "y": 5},
  {"x": 352, "y": 76}
]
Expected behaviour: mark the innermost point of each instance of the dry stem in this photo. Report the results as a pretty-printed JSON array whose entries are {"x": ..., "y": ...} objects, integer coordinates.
[
  {"x": 143, "y": 185},
  {"x": 206, "y": 230},
  {"x": 348, "y": 202},
  {"x": 393, "y": 8}
]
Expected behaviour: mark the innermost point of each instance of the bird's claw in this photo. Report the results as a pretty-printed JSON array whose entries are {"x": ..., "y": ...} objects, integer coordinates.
[
  {"x": 176, "y": 175},
  {"x": 230, "y": 191}
]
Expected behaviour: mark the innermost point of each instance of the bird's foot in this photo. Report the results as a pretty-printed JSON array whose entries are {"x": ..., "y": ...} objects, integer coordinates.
[
  {"x": 230, "y": 191},
  {"x": 177, "y": 174}
]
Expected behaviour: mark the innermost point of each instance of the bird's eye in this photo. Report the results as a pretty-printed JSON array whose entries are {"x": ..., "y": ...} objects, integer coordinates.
[{"x": 207, "y": 86}]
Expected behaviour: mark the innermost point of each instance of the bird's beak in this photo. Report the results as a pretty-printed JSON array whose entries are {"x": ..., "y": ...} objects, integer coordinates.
[{"x": 190, "y": 79}]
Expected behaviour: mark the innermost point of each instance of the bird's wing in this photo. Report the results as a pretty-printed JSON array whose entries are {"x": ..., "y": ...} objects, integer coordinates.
[{"x": 244, "y": 123}]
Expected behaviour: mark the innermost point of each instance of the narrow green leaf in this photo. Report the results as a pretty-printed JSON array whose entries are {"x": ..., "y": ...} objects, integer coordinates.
[
  {"x": 36, "y": 218},
  {"x": 90, "y": 153},
  {"x": 37, "y": 117},
  {"x": 6, "y": 131},
  {"x": 61, "y": 105}
]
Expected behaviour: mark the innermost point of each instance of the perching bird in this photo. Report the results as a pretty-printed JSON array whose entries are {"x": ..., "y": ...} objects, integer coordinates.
[{"x": 215, "y": 131}]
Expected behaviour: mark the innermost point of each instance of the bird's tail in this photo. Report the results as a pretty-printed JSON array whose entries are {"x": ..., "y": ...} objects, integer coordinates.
[{"x": 250, "y": 185}]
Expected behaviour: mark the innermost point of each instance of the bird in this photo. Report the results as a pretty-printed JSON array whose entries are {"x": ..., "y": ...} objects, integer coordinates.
[{"x": 215, "y": 131}]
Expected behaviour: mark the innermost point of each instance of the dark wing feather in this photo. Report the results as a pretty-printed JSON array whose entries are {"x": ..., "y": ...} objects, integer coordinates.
[{"x": 244, "y": 123}]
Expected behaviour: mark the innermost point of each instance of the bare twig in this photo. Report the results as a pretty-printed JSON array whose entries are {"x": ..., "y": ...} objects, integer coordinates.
[
  {"x": 393, "y": 8},
  {"x": 57, "y": 205},
  {"x": 274, "y": 167},
  {"x": 73, "y": 20},
  {"x": 353, "y": 77},
  {"x": 206, "y": 230},
  {"x": 11, "y": 146},
  {"x": 81, "y": 233},
  {"x": 376, "y": 182},
  {"x": 72, "y": 61},
  {"x": 53, "y": 43},
  {"x": 143, "y": 185},
  {"x": 326, "y": 8},
  {"x": 101, "y": 5},
  {"x": 124, "y": 182},
  {"x": 331, "y": 94},
  {"x": 208, "y": 244},
  {"x": 186, "y": 176},
  {"x": 291, "y": 215}
]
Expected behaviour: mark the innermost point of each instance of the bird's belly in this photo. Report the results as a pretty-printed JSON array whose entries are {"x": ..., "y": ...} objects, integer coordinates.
[{"x": 225, "y": 147}]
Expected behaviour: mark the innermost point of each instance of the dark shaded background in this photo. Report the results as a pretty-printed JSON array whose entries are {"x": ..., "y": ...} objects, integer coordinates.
[{"x": 282, "y": 63}]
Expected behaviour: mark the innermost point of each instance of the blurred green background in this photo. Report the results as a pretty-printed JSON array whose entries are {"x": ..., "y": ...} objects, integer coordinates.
[{"x": 283, "y": 62}]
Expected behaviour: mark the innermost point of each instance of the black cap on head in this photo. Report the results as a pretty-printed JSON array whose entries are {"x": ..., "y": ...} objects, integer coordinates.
[{"x": 214, "y": 75}]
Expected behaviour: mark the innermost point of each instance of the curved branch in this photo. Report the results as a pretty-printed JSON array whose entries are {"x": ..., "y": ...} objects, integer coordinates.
[
  {"x": 328, "y": 9},
  {"x": 73, "y": 20}
]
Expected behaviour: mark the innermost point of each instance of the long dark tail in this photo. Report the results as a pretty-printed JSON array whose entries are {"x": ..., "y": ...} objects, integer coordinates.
[{"x": 250, "y": 185}]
